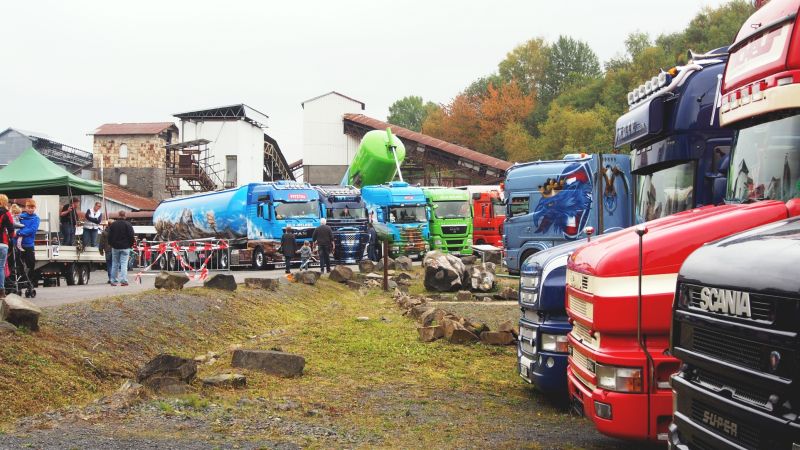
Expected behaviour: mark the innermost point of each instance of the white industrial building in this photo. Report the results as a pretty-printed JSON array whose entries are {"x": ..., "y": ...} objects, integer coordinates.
[{"x": 327, "y": 150}]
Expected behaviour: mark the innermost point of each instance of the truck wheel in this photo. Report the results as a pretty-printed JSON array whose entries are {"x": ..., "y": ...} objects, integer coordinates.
[
  {"x": 222, "y": 261},
  {"x": 83, "y": 274},
  {"x": 172, "y": 262},
  {"x": 525, "y": 256},
  {"x": 162, "y": 262},
  {"x": 71, "y": 274},
  {"x": 259, "y": 260}
]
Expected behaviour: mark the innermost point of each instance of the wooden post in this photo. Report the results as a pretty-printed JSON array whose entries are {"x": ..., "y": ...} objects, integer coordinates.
[{"x": 386, "y": 265}]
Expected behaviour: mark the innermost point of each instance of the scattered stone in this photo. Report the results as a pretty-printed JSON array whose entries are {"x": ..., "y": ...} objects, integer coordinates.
[
  {"x": 288, "y": 405},
  {"x": 475, "y": 327},
  {"x": 431, "y": 315},
  {"x": 269, "y": 361},
  {"x": 462, "y": 336},
  {"x": 128, "y": 394},
  {"x": 497, "y": 338},
  {"x": 430, "y": 334},
  {"x": 391, "y": 265},
  {"x": 508, "y": 327},
  {"x": 20, "y": 312},
  {"x": 374, "y": 276},
  {"x": 464, "y": 296},
  {"x": 417, "y": 312},
  {"x": 490, "y": 266},
  {"x": 341, "y": 274},
  {"x": 509, "y": 293},
  {"x": 6, "y": 328},
  {"x": 481, "y": 279},
  {"x": 443, "y": 272},
  {"x": 362, "y": 319},
  {"x": 171, "y": 281},
  {"x": 220, "y": 281},
  {"x": 404, "y": 263},
  {"x": 366, "y": 266},
  {"x": 495, "y": 257},
  {"x": 392, "y": 285},
  {"x": 232, "y": 380},
  {"x": 403, "y": 278},
  {"x": 270, "y": 284},
  {"x": 200, "y": 359},
  {"x": 165, "y": 373},
  {"x": 469, "y": 260},
  {"x": 308, "y": 277},
  {"x": 354, "y": 285}
]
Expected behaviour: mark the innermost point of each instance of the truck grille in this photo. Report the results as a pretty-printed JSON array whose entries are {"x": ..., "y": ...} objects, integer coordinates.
[
  {"x": 581, "y": 307},
  {"x": 412, "y": 240},
  {"x": 761, "y": 307},
  {"x": 525, "y": 341},
  {"x": 726, "y": 347},
  {"x": 583, "y": 334},
  {"x": 531, "y": 316},
  {"x": 718, "y": 421},
  {"x": 718, "y": 383},
  {"x": 454, "y": 229},
  {"x": 585, "y": 382},
  {"x": 583, "y": 361}
]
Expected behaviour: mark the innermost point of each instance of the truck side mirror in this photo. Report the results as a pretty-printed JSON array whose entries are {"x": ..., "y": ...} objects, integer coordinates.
[
  {"x": 323, "y": 210},
  {"x": 428, "y": 213}
]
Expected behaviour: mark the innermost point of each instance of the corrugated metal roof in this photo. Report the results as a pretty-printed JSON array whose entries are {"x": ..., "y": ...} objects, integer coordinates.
[
  {"x": 117, "y": 129},
  {"x": 128, "y": 198},
  {"x": 240, "y": 111},
  {"x": 432, "y": 142},
  {"x": 303, "y": 104}
]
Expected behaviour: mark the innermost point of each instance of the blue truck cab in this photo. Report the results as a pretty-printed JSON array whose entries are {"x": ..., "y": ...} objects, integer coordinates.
[
  {"x": 346, "y": 214},
  {"x": 678, "y": 152},
  {"x": 402, "y": 209},
  {"x": 552, "y": 202}
]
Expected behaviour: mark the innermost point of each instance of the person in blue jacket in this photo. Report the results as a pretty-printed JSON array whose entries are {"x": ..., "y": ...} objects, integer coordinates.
[{"x": 26, "y": 237}]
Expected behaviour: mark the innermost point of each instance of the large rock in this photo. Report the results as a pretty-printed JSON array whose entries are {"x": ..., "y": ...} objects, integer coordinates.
[
  {"x": 366, "y": 266},
  {"x": 221, "y": 281},
  {"x": 509, "y": 293},
  {"x": 269, "y": 361},
  {"x": 354, "y": 285},
  {"x": 464, "y": 296},
  {"x": 6, "y": 328},
  {"x": 167, "y": 373},
  {"x": 404, "y": 263},
  {"x": 403, "y": 278},
  {"x": 270, "y": 284},
  {"x": 481, "y": 279},
  {"x": 341, "y": 274},
  {"x": 431, "y": 315},
  {"x": 497, "y": 338},
  {"x": 391, "y": 265},
  {"x": 430, "y": 334},
  {"x": 462, "y": 336},
  {"x": 20, "y": 312},
  {"x": 443, "y": 272},
  {"x": 308, "y": 277},
  {"x": 474, "y": 326},
  {"x": 508, "y": 326},
  {"x": 417, "y": 312},
  {"x": 171, "y": 281},
  {"x": 231, "y": 380},
  {"x": 469, "y": 260}
]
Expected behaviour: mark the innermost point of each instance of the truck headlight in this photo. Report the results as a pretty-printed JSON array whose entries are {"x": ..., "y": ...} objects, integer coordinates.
[
  {"x": 619, "y": 379},
  {"x": 554, "y": 342},
  {"x": 528, "y": 297},
  {"x": 528, "y": 281}
]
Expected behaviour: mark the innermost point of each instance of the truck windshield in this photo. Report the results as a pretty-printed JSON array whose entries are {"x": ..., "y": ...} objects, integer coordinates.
[
  {"x": 451, "y": 209},
  {"x": 296, "y": 210},
  {"x": 346, "y": 213},
  {"x": 407, "y": 214},
  {"x": 765, "y": 162},
  {"x": 499, "y": 208},
  {"x": 665, "y": 192}
]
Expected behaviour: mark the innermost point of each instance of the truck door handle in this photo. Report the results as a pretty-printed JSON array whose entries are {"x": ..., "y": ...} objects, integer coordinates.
[{"x": 528, "y": 229}]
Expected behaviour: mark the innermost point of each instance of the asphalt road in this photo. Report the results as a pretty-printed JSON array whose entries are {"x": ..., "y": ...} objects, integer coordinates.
[{"x": 98, "y": 286}]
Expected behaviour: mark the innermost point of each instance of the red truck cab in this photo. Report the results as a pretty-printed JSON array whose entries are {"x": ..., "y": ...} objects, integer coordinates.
[{"x": 489, "y": 214}]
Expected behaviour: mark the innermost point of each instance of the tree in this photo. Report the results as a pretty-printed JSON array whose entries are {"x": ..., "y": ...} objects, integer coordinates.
[
  {"x": 569, "y": 131},
  {"x": 519, "y": 146},
  {"x": 480, "y": 87},
  {"x": 502, "y": 105},
  {"x": 568, "y": 59},
  {"x": 458, "y": 122},
  {"x": 409, "y": 112},
  {"x": 526, "y": 64}
]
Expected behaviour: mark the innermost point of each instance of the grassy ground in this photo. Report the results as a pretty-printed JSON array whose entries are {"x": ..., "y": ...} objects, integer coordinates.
[{"x": 366, "y": 384}]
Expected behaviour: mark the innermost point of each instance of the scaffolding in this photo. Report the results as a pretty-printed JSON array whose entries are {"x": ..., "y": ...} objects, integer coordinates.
[{"x": 192, "y": 163}]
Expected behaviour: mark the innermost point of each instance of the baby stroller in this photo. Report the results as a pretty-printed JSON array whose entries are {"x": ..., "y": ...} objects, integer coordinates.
[{"x": 18, "y": 279}]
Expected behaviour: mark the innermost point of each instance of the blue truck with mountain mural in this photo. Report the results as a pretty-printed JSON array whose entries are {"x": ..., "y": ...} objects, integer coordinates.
[
  {"x": 679, "y": 162},
  {"x": 552, "y": 202},
  {"x": 401, "y": 210},
  {"x": 346, "y": 214},
  {"x": 251, "y": 219}
]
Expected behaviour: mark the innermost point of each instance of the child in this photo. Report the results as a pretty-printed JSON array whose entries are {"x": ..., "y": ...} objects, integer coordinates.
[{"x": 305, "y": 255}]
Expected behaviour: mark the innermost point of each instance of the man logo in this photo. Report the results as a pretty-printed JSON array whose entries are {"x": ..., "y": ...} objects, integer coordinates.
[
  {"x": 725, "y": 301},
  {"x": 727, "y": 426}
]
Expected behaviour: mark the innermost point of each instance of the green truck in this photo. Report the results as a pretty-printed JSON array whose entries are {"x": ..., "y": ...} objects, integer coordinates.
[{"x": 450, "y": 220}]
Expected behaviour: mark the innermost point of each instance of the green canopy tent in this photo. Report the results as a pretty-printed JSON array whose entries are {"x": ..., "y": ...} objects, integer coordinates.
[{"x": 33, "y": 174}]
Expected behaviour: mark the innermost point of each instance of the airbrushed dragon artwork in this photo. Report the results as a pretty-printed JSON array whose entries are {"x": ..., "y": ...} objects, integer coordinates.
[{"x": 567, "y": 199}]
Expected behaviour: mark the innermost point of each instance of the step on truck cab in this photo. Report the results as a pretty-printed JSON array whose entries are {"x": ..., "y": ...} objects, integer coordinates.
[
  {"x": 251, "y": 218},
  {"x": 346, "y": 214},
  {"x": 489, "y": 213},
  {"x": 622, "y": 381},
  {"x": 552, "y": 202},
  {"x": 677, "y": 153},
  {"x": 450, "y": 224},
  {"x": 403, "y": 209},
  {"x": 735, "y": 318}
]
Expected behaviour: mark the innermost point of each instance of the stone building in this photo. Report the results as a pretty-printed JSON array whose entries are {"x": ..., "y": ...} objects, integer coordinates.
[{"x": 133, "y": 155}]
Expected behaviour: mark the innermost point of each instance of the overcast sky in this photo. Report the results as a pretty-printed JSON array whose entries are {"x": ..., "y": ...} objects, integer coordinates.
[{"x": 69, "y": 67}]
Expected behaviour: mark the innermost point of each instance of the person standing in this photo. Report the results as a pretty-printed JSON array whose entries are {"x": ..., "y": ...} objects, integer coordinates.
[
  {"x": 26, "y": 239},
  {"x": 91, "y": 226},
  {"x": 105, "y": 249},
  {"x": 121, "y": 239},
  {"x": 288, "y": 247},
  {"x": 323, "y": 236},
  {"x": 372, "y": 243},
  {"x": 68, "y": 220},
  {"x": 6, "y": 237}
]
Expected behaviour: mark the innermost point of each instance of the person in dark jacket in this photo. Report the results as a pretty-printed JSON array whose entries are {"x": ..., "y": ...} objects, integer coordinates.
[
  {"x": 106, "y": 250},
  {"x": 6, "y": 238},
  {"x": 121, "y": 239},
  {"x": 372, "y": 244},
  {"x": 323, "y": 237},
  {"x": 288, "y": 246},
  {"x": 26, "y": 238},
  {"x": 69, "y": 220}
]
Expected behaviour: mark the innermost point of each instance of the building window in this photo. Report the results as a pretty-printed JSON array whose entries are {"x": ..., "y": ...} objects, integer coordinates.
[
  {"x": 123, "y": 179},
  {"x": 123, "y": 150},
  {"x": 230, "y": 171}
]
